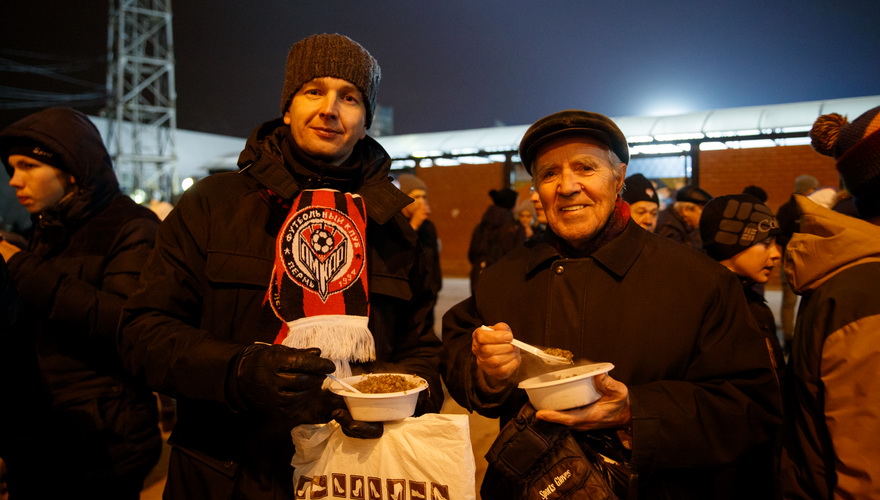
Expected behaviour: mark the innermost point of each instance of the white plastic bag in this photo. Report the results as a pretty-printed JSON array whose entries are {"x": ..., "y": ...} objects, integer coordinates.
[{"x": 417, "y": 458}]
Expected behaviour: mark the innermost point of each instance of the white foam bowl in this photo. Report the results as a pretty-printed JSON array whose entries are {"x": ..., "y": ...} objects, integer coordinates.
[
  {"x": 381, "y": 407},
  {"x": 565, "y": 389}
]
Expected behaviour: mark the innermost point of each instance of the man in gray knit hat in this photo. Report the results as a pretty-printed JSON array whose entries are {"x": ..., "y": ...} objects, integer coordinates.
[{"x": 266, "y": 280}]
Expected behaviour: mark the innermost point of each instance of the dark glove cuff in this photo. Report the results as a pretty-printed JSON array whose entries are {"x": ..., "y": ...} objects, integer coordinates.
[{"x": 233, "y": 398}]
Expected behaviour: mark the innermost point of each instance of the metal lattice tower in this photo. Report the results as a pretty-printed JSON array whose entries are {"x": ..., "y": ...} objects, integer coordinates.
[{"x": 142, "y": 114}]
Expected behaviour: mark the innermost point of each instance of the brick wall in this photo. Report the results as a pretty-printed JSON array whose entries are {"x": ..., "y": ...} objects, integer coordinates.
[
  {"x": 458, "y": 197},
  {"x": 773, "y": 169}
]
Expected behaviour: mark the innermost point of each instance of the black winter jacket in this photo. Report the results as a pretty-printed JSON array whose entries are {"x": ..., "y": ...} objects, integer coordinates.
[
  {"x": 201, "y": 301},
  {"x": 673, "y": 322},
  {"x": 83, "y": 259}
]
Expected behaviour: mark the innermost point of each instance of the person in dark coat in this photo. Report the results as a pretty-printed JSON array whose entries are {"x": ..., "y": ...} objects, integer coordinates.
[
  {"x": 418, "y": 213},
  {"x": 497, "y": 233},
  {"x": 9, "y": 302},
  {"x": 265, "y": 280},
  {"x": 92, "y": 430},
  {"x": 681, "y": 221},
  {"x": 740, "y": 232},
  {"x": 688, "y": 396}
]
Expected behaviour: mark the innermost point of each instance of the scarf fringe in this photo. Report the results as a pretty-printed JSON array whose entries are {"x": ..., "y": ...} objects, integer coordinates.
[
  {"x": 340, "y": 337},
  {"x": 343, "y": 370}
]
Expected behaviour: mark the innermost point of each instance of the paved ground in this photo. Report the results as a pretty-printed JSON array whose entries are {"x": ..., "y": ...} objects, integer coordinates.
[{"x": 483, "y": 430}]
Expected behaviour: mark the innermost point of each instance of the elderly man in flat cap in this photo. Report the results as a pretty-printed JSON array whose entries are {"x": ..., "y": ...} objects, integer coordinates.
[
  {"x": 688, "y": 396},
  {"x": 265, "y": 280}
]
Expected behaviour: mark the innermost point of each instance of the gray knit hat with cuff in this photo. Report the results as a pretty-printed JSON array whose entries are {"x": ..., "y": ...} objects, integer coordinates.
[{"x": 335, "y": 56}]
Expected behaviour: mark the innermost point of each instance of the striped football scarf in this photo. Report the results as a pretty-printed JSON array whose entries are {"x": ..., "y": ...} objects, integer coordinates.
[{"x": 319, "y": 280}]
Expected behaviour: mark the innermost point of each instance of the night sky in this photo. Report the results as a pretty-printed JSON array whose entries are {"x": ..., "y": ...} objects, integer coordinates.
[{"x": 469, "y": 64}]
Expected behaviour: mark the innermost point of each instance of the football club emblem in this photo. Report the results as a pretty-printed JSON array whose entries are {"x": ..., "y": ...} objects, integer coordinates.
[{"x": 322, "y": 250}]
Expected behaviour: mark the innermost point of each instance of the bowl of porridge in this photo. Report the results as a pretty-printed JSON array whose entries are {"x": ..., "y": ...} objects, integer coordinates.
[
  {"x": 565, "y": 389},
  {"x": 383, "y": 397}
]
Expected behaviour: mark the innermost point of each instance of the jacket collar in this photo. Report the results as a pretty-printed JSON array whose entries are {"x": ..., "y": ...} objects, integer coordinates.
[
  {"x": 617, "y": 256},
  {"x": 263, "y": 160}
]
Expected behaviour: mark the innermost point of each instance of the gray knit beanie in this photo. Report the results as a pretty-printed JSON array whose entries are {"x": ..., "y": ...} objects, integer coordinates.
[
  {"x": 335, "y": 56},
  {"x": 409, "y": 183},
  {"x": 805, "y": 183}
]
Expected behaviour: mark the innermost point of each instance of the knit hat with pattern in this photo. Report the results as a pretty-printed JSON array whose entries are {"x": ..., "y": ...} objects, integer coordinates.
[
  {"x": 732, "y": 223},
  {"x": 335, "y": 56},
  {"x": 856, "y": 147}
]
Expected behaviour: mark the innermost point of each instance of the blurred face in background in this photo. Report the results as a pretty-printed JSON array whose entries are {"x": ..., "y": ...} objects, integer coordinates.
[
  {"x": 525, "y": 217},
  {"x": 689, "y": 212},
  {"x": 645, "y": 214},
  {"x": 421, "y": 200},
  {"x": 539, "y": 209}
]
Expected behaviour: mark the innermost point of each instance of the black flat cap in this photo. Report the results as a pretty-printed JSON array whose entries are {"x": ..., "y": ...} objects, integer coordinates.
[{"x": 572, "y": 122}]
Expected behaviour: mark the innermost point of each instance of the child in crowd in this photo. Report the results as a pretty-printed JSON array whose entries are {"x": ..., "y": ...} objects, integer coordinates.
[{"x": 740, "y": 233}]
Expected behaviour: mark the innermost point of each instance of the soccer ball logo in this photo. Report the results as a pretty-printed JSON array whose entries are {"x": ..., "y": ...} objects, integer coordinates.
[
  {"x": 322, "y": 242},
  {"x": 321, "y": 250}
]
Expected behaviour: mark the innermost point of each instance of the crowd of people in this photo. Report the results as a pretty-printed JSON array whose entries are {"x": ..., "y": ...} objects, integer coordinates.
[{"x": 311, "y": 261}]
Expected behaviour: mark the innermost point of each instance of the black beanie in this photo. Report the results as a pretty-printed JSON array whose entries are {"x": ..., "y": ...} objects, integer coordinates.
[
  {"x": 638, "y": 188},
  {"x": 757, "y": 192},
  {"x": 856, "y": 147},
  {"x": 335, "y": 56},
  {"x": 33, "y": 149},
  {"x": 732, "y": 223},
  {"x": 693, "y": 194},
  {"x": 504, "y": 198}
]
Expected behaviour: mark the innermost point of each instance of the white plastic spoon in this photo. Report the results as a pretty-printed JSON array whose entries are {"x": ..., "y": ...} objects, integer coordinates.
[
  {"x": 344, "y": 384},
  {"x": 547, "y": 358}
]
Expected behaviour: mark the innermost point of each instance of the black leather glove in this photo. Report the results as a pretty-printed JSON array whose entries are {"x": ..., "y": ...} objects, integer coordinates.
[
  {"x": 357, "y": 428},
  {"x": 281, "y": 382}
]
